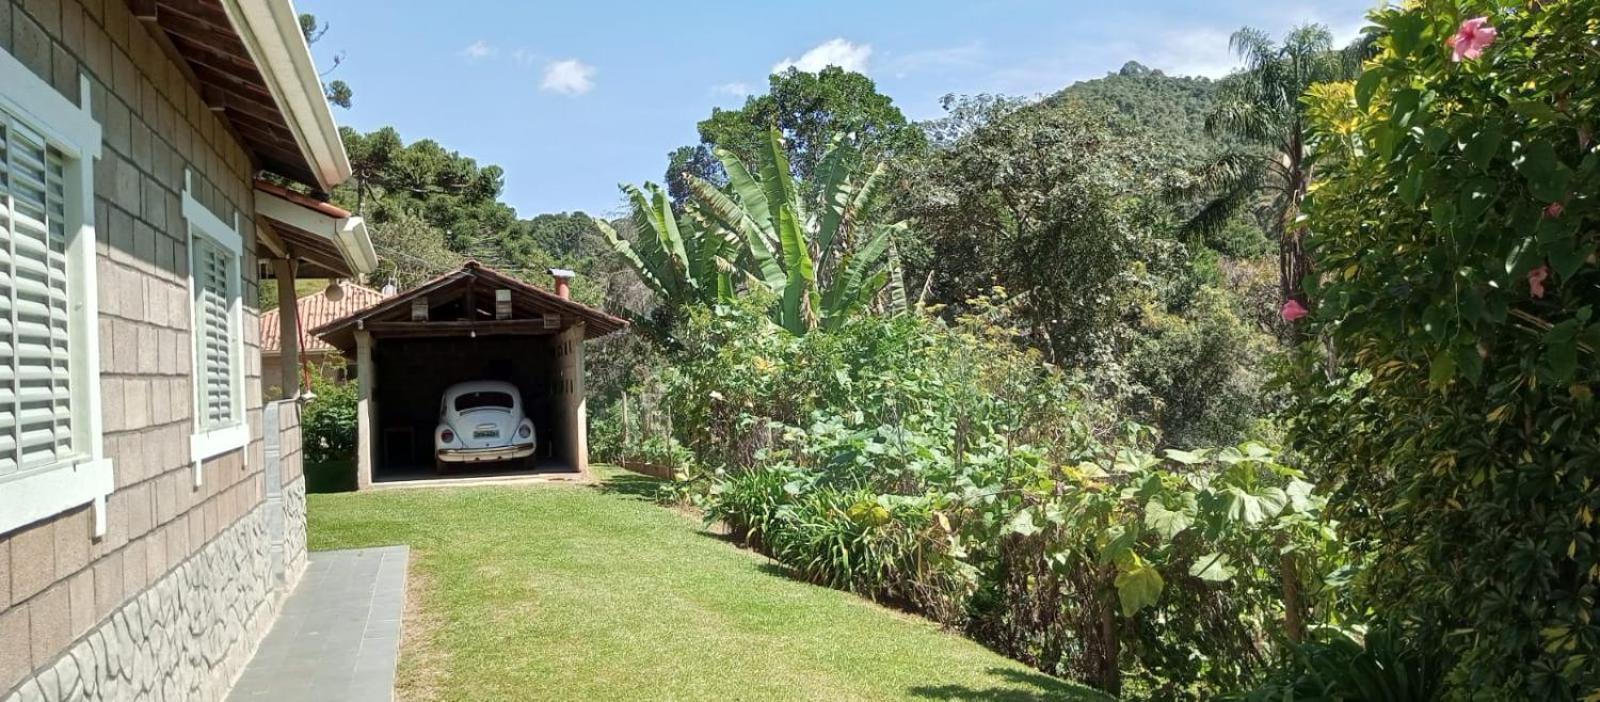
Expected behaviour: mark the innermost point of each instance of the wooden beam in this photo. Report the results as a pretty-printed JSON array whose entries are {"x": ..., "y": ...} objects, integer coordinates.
[
  {"x": 267, "y": 236},
  {"x": 479, "y": 327},
  {"x": 145, "y": 10},
  {"x": 283, "y": 269}
]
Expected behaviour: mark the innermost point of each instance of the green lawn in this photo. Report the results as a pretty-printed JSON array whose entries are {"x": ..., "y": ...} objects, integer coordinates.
[{"x": 578, "y": 593}]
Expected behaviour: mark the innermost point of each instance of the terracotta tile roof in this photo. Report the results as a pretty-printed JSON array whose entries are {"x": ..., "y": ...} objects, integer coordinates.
[
  {"x": 316, "y": 310},
  {"x": 303, "y": 200}
]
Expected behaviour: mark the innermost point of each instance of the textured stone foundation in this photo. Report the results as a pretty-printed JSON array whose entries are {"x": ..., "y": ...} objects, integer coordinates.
[{"x": 190, "y": 635}]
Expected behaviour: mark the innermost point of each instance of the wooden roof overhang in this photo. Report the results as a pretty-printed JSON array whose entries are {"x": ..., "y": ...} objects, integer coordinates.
[
  {"x": 328, "y": 241},
  {"x": 253, "y": 68},
  {"x": 462, "y": 304}
]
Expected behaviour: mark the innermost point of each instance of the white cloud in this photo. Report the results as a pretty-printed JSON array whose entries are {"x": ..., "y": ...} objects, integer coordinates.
[
  {"x": 834, "y": 52},
  {"x": 736, "y": 89},
  {"x": 524, "y": 57},
  {"x": 568, "y": 77},
  {"x": 478, "y": 50},
  {"x": 962, "y": 56}
]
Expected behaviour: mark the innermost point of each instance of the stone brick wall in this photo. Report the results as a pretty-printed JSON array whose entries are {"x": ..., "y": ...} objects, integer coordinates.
[
  {"x": 188, "y": 555},
  {"x": 185, "y": 638}
]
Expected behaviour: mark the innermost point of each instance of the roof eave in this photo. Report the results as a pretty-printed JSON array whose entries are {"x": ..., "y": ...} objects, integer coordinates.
[{"x": 271, "y": 33}]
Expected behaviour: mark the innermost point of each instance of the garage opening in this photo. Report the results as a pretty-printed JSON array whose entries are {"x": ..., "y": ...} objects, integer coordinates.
[
  {"x": 414, "y": 374},
  {"x": 472, "y": 325}
]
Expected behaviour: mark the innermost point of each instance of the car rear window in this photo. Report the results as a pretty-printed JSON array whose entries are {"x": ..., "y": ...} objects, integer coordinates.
[{"x": 474, "y": 400}]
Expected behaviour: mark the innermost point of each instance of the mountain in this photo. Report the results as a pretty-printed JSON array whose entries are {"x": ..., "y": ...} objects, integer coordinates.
[{"x": 1171, "y": 108}]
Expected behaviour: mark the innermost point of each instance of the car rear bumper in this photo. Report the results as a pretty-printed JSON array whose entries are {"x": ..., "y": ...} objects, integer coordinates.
[{"x": 501, "y": 453}]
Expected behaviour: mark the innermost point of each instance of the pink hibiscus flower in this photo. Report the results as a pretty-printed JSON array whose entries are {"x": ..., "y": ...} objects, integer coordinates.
[
  {"x": 1553, "y": 210},
  {"x": 1536, "y": 280},
  {"x": 1472, "y": 38},
  {"x": 1293, "y": 310}
]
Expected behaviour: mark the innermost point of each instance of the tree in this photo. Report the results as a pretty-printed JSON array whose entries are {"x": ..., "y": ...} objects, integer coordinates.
[
  {"x": 810, "y": 110},
  {"x": 449, "y": 191},
  {"x": 1028, "y": 200},
  {"x": 1260, "y": 108},
  {"x": 337, "y": 92}
]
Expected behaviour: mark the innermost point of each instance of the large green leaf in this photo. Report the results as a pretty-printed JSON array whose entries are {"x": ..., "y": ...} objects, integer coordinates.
[
  {"x": 631, "y": 257},
  {"x": 1256, "y": 507},
  {"x": 777, "y": 182},
  {"x": 1212, "y": 567},
  {"x": 1022, "y": 523},
  {"x": 854, "y": 282},
  {"x": 797, "y": 266},
  {"x": 1138, "y": 587},
  {"x": 653, "y": 245},
  {"x": 833, "y": 171},
  {"x": 750, "y": 193},
  {"x": 1169, "y": 522}
]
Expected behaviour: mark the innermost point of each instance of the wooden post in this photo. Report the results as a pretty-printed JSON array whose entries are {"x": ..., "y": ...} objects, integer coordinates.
[
  {"x": 366, "y": 446},
  {"x": 288, "y": 328}
]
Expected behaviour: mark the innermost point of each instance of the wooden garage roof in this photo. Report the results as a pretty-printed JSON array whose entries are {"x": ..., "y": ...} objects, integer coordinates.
[{"x": 476, "y": 283}]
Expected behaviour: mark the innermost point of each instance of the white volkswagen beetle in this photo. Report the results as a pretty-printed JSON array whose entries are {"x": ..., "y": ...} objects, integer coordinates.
[{"x": 482, "y": 421}]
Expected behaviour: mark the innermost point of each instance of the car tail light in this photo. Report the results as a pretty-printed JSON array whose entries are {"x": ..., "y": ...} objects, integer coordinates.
[
  {"x": 525, "y": 431},
  {"x": 447, "y": 436}
]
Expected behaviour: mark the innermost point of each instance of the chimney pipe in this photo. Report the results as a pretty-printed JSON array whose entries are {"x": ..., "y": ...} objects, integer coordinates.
[{"x": 563, "y": 282}]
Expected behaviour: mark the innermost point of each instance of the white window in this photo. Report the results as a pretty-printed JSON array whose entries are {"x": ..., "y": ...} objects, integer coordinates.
[
  {"x": 51, "y": 449},
  {"x": 215, "y": 248}
]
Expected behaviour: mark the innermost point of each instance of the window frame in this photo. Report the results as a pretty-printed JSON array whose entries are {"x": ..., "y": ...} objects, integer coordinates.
[
  {"x": 207, "y": 443},
  {"x": 70, "y": 128}
]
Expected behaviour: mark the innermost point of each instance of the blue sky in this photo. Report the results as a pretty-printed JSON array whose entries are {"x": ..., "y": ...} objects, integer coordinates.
[{"x": 572, "y": 98}]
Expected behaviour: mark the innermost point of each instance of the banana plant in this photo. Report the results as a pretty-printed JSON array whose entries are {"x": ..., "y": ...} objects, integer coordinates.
[
  {"x": 824, "y": 266},
  {"x": 683, "y": 261}
]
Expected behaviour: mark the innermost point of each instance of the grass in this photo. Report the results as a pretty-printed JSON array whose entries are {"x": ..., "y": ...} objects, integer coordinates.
[
  {"x": 331, "y": 476},
  {"x": 571, "y": 593}
]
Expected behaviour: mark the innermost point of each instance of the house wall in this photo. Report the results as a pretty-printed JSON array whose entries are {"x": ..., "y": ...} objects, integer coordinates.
[{"x": 171, "y": 601}]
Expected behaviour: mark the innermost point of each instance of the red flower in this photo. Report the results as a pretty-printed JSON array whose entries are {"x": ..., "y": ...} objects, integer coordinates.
[
  {"x": 1536, "y": 280},
  {"x": 1293, "y": 310},
  {"x": 1553, "y": 210}
]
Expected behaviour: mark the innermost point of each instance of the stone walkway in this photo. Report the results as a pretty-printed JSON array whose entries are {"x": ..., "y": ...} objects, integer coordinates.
[{"x": 338, "y": 634}]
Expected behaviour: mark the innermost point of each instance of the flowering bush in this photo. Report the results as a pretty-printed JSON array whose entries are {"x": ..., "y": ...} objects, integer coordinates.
[{"x": 1454, "y": 226}]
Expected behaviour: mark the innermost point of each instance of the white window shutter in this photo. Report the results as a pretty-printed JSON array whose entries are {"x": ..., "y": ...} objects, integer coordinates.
[
  {"x": 214, "y": 300},
  {"x": 36, "y": 426}
]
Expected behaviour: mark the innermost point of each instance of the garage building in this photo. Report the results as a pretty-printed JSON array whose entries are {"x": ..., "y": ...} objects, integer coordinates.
[{"x": 471, "y": 324}]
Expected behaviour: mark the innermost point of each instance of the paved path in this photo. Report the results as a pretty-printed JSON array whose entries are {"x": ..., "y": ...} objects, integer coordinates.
[{"x": 338, "y": 634}]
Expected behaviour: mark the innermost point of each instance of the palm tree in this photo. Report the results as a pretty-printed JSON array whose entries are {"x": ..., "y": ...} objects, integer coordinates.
[{"x": 1260, "y": 109}]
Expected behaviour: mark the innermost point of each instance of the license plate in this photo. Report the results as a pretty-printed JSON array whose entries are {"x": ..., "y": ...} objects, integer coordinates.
[{"x": 485, "y": 434}]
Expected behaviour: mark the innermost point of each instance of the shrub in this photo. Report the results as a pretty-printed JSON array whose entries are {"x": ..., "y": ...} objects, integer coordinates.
[
  {"x": 328, "y": 421},
  {"x": 1456, "y": 225},
  {"x": 943, "y": 468}
]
